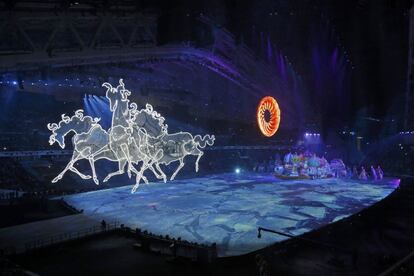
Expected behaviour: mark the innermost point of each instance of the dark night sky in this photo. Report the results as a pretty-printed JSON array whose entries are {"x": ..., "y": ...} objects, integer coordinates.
[{"x": 372, "y": 34}]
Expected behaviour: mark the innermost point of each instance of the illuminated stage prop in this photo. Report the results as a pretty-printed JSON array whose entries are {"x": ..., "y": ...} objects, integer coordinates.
[
  {"x": 268, "y": 126},
  {"x": 136, "y": 136}
]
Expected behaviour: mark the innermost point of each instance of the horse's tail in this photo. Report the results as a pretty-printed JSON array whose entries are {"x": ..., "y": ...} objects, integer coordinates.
[{"x": 203, "y": 141}]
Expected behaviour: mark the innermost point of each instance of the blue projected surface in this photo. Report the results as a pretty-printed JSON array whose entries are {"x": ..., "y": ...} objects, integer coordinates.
[{"x": 228, "y": 208}]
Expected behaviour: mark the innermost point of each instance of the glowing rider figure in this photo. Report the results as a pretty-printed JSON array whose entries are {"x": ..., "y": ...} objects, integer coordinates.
[{"x": 120, "y": 132}]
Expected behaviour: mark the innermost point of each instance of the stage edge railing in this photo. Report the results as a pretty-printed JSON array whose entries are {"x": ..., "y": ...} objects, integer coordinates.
[
  {"x": 405, "y": 266},
  {"x": 59, "y": 238}
]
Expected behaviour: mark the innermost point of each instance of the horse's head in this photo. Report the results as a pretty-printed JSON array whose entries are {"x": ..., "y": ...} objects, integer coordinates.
[
  {"x": 57, "y": 133},
  {"x": 116, "y": 94},
  {"x": 111, "y": 95},
  {"x": 77, "y": 123},
  {"x": 123, "y": 92},
  {"x": 150, "y": 120},
  {"x": 158, "y": 118},
  {"x": 52, "y": 127}
]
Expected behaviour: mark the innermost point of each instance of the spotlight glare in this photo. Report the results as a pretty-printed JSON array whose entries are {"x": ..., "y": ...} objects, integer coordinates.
[{"x": 237, "y": 170}]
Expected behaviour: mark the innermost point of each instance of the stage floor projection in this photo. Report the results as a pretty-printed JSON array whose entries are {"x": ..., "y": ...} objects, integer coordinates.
[{"x": 228, "y": 208}]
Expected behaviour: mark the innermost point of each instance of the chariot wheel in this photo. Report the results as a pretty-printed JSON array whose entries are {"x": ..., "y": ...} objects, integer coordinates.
[{"x": 268, "y": 116}]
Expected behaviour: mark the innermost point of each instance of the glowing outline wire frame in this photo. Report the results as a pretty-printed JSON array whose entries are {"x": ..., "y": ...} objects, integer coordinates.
[{"x": 136, "y": 136}]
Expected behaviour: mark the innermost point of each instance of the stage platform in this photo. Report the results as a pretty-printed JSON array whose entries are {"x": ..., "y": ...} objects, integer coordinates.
[{"x": 228, "y": 208}]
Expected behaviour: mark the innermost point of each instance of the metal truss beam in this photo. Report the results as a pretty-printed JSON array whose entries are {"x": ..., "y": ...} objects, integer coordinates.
[
  {"x": 70, "y": 39},
  {"x": 45, "y": 37}
]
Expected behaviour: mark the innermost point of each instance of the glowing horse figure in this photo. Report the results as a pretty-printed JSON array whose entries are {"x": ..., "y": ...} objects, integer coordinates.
[
  {"x": 148, "y": 124},
  {"x": 89, "y": 137},
  {"x": 90, "y": 142},
  {"x": 177, "y": 146},
  {"x": 134, "y": 136},
  {"x": 118, "y": 133},
  {"x": 127, "y": 148}
]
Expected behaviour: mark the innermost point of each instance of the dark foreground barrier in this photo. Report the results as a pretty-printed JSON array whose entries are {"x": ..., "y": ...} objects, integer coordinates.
[
  {"x": 145, "y": 241},
  {"x": 404, "y": 266},
  {"x": 171, "y": 246},
  {"x": 69, "y": 236}
]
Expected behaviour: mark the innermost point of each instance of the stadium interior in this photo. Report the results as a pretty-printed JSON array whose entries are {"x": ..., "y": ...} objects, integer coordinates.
[{"x": 299, "y": 120}]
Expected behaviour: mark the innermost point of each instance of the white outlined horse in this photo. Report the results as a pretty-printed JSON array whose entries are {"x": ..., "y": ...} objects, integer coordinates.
[
  {"x": 115, "y": 146},
  {"x": 89, "y": 137},
  {"x": 134, "y": 137},
  {"x": 148, "y": 124},
  {"x": 120, "y": 133},
  {"x": 176, "y": 147},
  {"x": 88, "y": 142}
]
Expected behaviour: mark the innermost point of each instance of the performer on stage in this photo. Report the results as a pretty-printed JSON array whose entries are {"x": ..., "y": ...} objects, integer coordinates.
[
  {"x": 380, "y": 173},
  {"x": 374, "y": 173},
  {"x": 363, "y": 174}
]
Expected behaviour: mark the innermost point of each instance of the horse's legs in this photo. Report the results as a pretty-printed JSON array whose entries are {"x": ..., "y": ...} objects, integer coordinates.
[
  {"x": 135, "y": 187},
  {"x": 154, "y": 171},
  {"x": 92, "y": 163},
  {"x": 198, "y": 159},
  {"x": 75, "y": 157},
  {"x": 140, "y": 175},
  {"x": 134, "y": 170},
  {"x": 147, "y": 163},
  {"x": 125, "y": 152},
  {"x": 178, "y": 168},
  {"x": 121, "y": 167},
  {"x": 137, "y": 180},
  {"x": 160, "y": 174},
  {"x": 164, "y": 177},
  {"x": 83, "y": 176}
]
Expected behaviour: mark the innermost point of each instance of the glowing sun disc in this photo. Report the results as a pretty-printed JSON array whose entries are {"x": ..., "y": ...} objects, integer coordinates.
[{"x": 268, "y": 127}]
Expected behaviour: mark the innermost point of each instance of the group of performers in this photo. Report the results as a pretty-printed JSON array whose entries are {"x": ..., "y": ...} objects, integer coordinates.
[
  {"x": 308, "y": 165},
  {"x": 376, "y": 173}
]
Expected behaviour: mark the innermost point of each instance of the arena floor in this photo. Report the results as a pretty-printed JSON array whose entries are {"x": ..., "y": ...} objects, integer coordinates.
[{"x": 228, "y": 208}]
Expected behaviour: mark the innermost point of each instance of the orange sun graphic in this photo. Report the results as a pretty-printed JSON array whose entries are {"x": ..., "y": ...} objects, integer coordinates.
[{"x": 268, "y": 116}]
